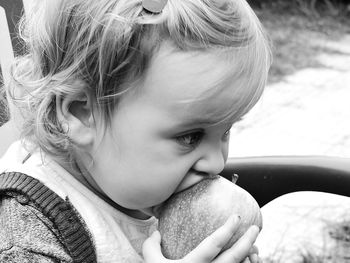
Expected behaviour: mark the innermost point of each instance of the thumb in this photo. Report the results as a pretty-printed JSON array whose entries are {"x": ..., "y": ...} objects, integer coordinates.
[{"x": 151, "y": 249}]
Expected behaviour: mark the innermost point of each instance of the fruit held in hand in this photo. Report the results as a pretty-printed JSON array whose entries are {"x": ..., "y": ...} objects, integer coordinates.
[{"x": 188, "y": 217}]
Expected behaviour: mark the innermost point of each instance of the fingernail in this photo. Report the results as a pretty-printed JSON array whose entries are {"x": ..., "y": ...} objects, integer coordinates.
[
  {"x": 234, "y": 218},
  {"x": 254, "y": 229},
  {"x": 254, "y": 258}
]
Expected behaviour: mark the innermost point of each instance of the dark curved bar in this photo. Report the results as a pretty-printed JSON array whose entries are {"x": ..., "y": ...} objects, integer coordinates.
[{"x": 267, "y": 178}]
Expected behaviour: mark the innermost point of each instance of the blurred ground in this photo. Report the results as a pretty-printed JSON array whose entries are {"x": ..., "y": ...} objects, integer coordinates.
[
  {"x": 305, "y": 108},
  {"x": 305, "y": 113},
  {"x": 306, "y": 227}
]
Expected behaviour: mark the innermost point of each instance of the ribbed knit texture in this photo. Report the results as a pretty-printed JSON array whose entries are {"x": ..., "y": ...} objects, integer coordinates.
[{"x": 75, "y": 237}]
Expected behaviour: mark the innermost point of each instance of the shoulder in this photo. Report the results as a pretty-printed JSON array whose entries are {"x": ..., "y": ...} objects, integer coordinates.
[{"x": 37, "y": 219}]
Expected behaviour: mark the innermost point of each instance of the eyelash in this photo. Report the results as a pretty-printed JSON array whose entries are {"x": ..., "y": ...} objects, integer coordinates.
[{"x": 198, "y": 135}]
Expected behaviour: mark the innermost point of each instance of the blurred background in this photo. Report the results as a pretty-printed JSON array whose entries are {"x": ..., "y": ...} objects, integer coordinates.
[{"x": 305, "y": 110}]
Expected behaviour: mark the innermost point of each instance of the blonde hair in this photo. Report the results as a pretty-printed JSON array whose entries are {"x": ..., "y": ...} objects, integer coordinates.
[{"x": 105, "y": 46}]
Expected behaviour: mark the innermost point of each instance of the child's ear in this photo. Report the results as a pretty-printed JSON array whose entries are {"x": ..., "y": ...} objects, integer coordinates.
[{"x": 75, "y": 114}]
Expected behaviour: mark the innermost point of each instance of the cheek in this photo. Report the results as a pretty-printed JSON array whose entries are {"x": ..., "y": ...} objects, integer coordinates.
[
  {"x": 138, "y": 171},
  {"x": 156, "y": 184},
  {"x": 140, "y": 181}
]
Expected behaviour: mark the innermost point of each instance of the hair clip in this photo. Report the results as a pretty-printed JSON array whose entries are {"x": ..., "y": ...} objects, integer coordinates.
[{"x": 154, "y": 6}]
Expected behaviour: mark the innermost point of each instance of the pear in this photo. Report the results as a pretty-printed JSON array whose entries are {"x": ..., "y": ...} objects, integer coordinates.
[{"x": 188, "y": 217}]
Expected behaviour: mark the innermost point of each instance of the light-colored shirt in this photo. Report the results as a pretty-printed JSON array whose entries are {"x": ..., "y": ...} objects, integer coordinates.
[{"x": 117, "y": 236}]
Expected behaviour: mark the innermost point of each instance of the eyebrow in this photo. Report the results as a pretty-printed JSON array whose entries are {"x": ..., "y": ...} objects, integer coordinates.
[
  {"x": 202, "y": 121},
  {"x": 205, "y": 121}
]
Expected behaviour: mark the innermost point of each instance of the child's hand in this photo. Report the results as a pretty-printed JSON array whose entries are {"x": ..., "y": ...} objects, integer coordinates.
[
  {"x": 253, "y": 256},
  {"x": 242, "y": 251}
]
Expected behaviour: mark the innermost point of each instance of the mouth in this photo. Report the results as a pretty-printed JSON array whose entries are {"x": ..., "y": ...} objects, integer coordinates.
[
  {"x": 155, "y": 210},
  {"x": 192, "y": 179}
]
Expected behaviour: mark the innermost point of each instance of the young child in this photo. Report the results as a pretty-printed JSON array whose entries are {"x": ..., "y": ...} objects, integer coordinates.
[{"x": 123, "y": 103}]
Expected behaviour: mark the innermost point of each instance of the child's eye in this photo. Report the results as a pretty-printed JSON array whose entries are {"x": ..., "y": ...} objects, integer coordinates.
[{"x": 191, "y": 139}]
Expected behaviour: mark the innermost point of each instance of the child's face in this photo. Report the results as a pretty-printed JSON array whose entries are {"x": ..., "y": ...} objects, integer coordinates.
[{"x": 165, "y": 137}]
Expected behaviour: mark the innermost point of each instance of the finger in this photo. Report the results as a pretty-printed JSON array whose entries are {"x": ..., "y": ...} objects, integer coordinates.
[
  {"x": 210, "y": 247},
  {"x": 151, "y": 249},
  {"x": 254, "y": 258},
  {"x": 254, "y": 254},
  {"x": 246, "y": 260},
  {"x": 240, "y": 250},
  {"x": 254, "y": 250}
]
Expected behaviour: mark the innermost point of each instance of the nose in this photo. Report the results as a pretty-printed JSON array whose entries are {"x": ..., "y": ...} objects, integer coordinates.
[{"x": 211, "y": 161}]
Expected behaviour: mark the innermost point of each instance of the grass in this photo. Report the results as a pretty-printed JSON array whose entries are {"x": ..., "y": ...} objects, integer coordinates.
[
  {"x": 306, "y": 257},
  {"x": 297, "y": 39},
  {"x": 337, "y": 237},
  {"x": 338, "y": 233}
]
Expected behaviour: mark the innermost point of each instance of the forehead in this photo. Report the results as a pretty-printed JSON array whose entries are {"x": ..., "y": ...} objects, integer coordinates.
[{"x": 192, "y": 84}]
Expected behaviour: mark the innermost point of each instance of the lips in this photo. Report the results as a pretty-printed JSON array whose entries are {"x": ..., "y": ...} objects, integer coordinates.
[
  {"x": 191, "y": 179},
  {"x": 156, "y": 210},
  {"x": 182, "y": 187}
]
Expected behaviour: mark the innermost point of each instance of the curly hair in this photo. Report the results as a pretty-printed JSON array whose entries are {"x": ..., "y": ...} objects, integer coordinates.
[{"x": 105, "y": 46}]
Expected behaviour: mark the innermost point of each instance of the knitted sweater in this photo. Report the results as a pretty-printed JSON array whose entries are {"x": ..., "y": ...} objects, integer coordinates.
[
  {"x": 39, "y": 226},
  {"x": 46, "y": 215}
]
